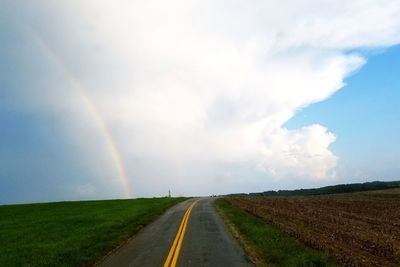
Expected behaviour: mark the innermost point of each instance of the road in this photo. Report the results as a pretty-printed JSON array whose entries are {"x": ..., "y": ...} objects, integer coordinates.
[{"x": 189, "y": 234}]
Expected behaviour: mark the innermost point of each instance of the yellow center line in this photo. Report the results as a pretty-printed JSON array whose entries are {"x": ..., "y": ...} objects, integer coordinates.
[{"x": 173, "y": 254}]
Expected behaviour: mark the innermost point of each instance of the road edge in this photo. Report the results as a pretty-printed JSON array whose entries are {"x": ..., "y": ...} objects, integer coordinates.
[
  {"x": 248, "y": 248},
  {"x": 101, "y": 259}
]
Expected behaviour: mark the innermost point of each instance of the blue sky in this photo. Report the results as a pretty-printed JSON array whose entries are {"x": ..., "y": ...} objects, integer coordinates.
[
  {"x": 364, "y": 115},
  {"x": 132, "y": 99}
]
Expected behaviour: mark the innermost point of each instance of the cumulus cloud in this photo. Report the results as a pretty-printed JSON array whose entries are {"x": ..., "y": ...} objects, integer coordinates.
[
  {"x": 215, "y": 81},
  {"x": 301, "y": 153}
]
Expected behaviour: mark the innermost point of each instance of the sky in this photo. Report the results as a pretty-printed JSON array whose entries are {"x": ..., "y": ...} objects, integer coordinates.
[{"x": 125, "y": 99}]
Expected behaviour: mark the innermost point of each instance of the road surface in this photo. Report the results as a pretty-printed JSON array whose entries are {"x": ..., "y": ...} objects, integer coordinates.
[{"x": 189, "y": 234}]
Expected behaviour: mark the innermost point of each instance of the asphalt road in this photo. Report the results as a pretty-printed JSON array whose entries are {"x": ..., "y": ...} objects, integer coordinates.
[{"x": 203, "y": 240}]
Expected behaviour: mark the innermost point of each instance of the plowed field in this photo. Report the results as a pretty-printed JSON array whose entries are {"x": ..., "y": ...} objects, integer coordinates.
[{"x": 358, "y": 229}]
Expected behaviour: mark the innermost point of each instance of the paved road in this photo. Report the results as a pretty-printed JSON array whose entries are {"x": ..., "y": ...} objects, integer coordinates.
[{"x": 206, "y": 240}]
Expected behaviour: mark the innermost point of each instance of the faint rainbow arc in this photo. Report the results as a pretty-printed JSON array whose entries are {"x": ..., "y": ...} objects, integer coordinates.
[
  {"x": 115, "y": 154},
  {"x": 96, "y": 115}
]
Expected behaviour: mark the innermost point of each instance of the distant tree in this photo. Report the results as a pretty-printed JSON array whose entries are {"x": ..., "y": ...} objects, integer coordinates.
[{"x": 332, "y": 189}]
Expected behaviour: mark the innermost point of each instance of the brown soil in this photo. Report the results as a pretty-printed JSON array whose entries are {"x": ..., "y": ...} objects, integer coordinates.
[{"x": 358, "y": 229}]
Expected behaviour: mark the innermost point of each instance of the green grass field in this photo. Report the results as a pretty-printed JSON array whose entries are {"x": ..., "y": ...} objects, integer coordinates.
[
  {"x": 72, "y": 233},
  {"x": 265, "y": 244}
]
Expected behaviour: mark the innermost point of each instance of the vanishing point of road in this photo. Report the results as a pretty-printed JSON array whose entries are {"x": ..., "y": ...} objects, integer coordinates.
[{"x": 189, "y": 234}]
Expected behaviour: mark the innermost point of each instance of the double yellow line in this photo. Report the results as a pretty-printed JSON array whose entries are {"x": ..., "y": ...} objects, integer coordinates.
[{"x": 173, "y": 254}]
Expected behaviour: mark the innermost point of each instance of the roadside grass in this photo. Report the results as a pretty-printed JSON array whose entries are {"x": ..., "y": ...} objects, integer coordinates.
[
  {"x": 72, "y": 233},
  {"x": 265, "y": 244}
]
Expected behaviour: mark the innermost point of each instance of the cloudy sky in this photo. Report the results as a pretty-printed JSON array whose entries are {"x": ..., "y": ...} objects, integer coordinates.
[{"x": 116, "y": 99}]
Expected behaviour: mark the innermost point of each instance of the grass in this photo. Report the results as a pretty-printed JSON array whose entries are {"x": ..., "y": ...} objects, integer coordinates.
[
  {"x": 72, "y": 233},
  {"x": 265, "y": 244}
]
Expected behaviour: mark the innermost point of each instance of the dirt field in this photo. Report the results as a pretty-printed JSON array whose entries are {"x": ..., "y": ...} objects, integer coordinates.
[{"x": 358, "y": 229}]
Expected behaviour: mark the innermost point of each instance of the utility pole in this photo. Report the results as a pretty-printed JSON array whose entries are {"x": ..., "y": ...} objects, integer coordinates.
[{"x": 169, "y": 193}]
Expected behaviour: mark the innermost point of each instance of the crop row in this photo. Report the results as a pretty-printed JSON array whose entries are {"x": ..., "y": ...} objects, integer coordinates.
[{"x": 359, "y": 229}]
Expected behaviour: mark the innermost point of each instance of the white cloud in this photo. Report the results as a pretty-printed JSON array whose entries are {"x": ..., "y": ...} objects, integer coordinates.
[
  {"x": 300, "y": 153},
  {"x": 215, "y": 81}
]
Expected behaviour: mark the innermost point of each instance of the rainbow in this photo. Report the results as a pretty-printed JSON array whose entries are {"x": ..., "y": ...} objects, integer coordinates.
[
  {"x": 94, "y": 113},
  {"x": 112, "y": 148}
]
